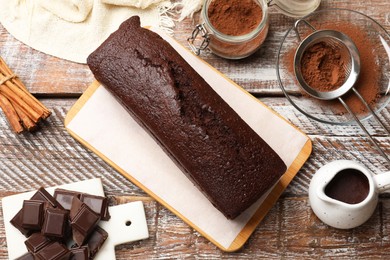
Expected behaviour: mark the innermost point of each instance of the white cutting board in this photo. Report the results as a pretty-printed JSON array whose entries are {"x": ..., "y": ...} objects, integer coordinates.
[{"x": 118, "y": 231}]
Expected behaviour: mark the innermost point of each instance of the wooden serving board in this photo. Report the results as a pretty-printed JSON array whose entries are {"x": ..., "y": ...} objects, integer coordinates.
[{"x": 254, "y": 215}]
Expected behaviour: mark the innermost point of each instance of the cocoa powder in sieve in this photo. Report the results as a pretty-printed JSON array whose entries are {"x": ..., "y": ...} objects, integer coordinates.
[
  {"x": 235, "y": 17},
  {"x": 368, "y": 82},
  {"x": 323, "y": 67}
]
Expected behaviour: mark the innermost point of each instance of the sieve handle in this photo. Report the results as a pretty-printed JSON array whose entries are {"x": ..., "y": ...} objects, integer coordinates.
[
  {"x": 306, "y": 23},
  {"x": 365, "y": 130},
  {"x": 371, "y": 111}
]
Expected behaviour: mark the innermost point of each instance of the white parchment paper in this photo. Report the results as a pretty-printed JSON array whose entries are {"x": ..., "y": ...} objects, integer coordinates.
[{"x": 105, "y": 125}]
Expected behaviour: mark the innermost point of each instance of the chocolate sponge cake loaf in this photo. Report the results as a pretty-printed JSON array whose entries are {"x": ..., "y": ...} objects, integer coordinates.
[{"x": 203, "y": 135}]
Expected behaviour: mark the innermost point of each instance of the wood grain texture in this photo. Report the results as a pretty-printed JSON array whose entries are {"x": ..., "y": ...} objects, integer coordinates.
[
  {"x": 41, "y": 73},
  {"x": 290, "y": 230}
]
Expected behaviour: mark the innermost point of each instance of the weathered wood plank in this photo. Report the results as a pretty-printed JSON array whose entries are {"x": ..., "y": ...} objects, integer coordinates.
[
  {"x": 303, "y": 235},
  {"x": 312, "y": 127},
  {"x": 43, "y": 74}
]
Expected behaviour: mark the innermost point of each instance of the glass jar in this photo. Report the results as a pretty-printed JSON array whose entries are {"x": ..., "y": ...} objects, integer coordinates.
[{"x": 229, "y": 46}]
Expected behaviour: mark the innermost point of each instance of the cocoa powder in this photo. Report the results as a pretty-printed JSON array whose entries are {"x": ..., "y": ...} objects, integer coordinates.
[
  {"x": 368, "y": 82},
  {"x": 322, "y": 67},
  {"x": 231, "y": 18},
  {"x": 235, "y": 17}
]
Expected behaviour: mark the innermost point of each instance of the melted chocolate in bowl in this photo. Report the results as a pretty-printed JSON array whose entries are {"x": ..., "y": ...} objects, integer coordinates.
[{"x": 349, "y": 185}]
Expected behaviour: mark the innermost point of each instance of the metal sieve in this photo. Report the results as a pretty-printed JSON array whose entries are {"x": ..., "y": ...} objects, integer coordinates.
[{"x": 351, "y": 69}]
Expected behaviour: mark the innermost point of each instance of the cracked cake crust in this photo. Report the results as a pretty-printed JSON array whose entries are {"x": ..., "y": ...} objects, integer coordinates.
[{"x": 205, "y": 137}]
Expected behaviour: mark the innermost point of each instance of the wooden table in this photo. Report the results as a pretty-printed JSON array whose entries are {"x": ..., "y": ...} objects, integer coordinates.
[{"x": 291, "y": 230}]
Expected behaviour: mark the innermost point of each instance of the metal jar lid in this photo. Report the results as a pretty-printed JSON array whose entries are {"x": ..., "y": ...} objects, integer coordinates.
[{"x": 295, "y": 8}]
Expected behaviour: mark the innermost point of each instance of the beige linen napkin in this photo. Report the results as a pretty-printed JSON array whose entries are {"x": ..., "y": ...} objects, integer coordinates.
[
  {"x": 69, "y": 10},
  {"x": 188, "y": 8},
  {"x": 72, "y": 29},
  {"x": 135, "y": 3}
]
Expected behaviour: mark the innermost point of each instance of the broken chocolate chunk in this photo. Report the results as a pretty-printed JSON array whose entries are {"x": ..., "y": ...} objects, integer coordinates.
[
  {"x": 26, "y": 256},
  {"x": 65, "y": 197},
  {"x": 36, "y": 242},
  {"x": 76, "y": 205},
  {"x": 17, "y": 222},
  {"x": 55, "y": 224},
  {"x": 80, "y": 253},
  {"x": 54, "y": 251},
  {"x": 83, "y": 221},
  {"x": 43, "y": 195},
  {"x": 96, "y": 241},
  {"x": 98, "y": 204},
  {"x": 40, "y": 195},
  {"x": 32, "y": 214}
]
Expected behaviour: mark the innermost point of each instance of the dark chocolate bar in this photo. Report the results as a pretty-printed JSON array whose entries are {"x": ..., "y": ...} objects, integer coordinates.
[
  {"x": 78, "y": 237},
  {"x": 17, "y": 222},
  {"x": 26, "y": 256},
  {"x": 96, "y": 241},
  {"x": 83, "y": 220},
  {"x": 98, "y": 204},
  {"x": 65, "y": 197},
  {"x": 54, "y": 251},
  {"x": 80, "y": 253},
  {"x": 40, "y": 195},
  {"x": 32, "y": 214},
  {"x": 43, "y": 195},
  {"x": 56, "y": 223},
  {"x": 36, "y": 242}
]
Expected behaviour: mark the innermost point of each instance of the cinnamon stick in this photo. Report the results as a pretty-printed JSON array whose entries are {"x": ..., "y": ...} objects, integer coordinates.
[
  {"x": 45, "y": 111},
  {"x": 27, "y": 122},
  {"x": 17, "y": 99},
  {"x": 27, "y": 108},
  {"x": 11, "y": 114},
  {"x": 14, "y": 80}
]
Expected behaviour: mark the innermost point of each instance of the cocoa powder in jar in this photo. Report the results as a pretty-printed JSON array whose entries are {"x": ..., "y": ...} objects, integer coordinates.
[
  {"x": 235, "y": 17},
  {"x": 238, "y": 27}
]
